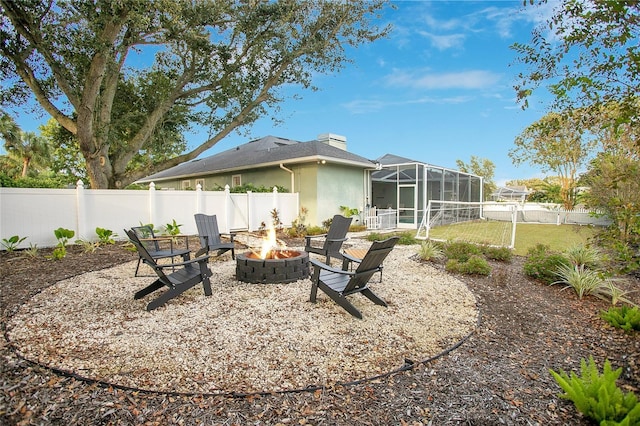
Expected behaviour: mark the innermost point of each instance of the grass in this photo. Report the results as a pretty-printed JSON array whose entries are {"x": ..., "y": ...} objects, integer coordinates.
[{"x": 557, "y": 237}]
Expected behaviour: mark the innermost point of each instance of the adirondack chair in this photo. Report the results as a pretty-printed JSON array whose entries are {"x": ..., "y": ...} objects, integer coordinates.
[
  {"x": 158, "y": 247},
  {"x": 190, "y": 273},
  {"x": 340, "y": 283},
  {"x": 333, "y": 239},
  {"x": 210, "y": 236}
]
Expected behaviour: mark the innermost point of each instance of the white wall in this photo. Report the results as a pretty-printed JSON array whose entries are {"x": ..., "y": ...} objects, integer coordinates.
[{"x": 36, "y": 212}]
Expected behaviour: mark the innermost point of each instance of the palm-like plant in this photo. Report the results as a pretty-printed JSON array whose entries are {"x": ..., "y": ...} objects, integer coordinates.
[{"x": 30, "y": 150}]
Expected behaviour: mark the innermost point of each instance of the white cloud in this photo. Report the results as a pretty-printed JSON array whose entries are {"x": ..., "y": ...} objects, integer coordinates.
[
  {"x": 473, "y": 79},
  {"x": 364, "y": 106},
  {"x": 444, "y": 42}
]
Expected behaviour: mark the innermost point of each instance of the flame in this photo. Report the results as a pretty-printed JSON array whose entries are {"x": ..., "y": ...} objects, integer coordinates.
[{"x": 269, "y": 243}]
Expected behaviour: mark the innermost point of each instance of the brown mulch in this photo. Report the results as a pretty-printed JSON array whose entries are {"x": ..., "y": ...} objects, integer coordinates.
[{"x": 499, "y": 376}]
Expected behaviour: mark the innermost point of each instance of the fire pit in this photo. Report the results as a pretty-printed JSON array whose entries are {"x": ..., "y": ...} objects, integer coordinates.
[
  {"x": 273, "y": 263},
  {"x": 278, "y": 266}
]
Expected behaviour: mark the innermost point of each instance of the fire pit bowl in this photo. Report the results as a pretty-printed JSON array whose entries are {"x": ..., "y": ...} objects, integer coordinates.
[{"x": 280, "y": 266}]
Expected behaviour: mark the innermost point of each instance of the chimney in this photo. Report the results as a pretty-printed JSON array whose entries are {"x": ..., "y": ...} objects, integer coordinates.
[{"x": 334, "y": 140}]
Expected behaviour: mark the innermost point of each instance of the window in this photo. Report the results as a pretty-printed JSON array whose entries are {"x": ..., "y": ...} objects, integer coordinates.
[
  {"x": 185, "y": 184},
  {"x": 201, "y": 183},
  {"x": 236, "y": 180}
]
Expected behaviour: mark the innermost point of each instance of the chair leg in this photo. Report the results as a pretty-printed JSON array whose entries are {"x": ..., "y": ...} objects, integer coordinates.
[
  {"x": 373, "y": 297},
  {"x": 314, "y": 285},
  {"x": 137, "y": 267},
  {"x": 157, "y": 284}
]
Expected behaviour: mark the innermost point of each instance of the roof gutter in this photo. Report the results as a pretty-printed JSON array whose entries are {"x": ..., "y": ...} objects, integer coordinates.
[{"x": 292, "y": 177}]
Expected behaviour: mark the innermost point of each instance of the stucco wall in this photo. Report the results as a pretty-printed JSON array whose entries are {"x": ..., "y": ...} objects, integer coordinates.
[{"x": 323, "y": 188}]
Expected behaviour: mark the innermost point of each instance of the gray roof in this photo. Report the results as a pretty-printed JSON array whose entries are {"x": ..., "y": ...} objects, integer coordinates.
[{"x": 264, "y": 152}]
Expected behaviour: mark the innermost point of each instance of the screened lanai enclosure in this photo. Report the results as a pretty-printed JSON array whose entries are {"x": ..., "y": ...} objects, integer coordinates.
[{"x": 402, "y": 187}]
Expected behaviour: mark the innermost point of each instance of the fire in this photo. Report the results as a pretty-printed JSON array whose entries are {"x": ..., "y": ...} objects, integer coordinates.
[
  {"x": 272, "y": 248},
  {"x": 269, "y": 244}
]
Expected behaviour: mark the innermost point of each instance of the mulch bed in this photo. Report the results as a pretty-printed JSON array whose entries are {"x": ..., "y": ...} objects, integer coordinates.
[{"x": 499, "y": 376}]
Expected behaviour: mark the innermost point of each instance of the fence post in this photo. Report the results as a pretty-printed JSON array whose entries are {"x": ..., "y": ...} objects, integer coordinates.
[
  {"x": 275, "y": 198},
  {"x": 152, "y": 203},
  {"x": 80, "y": 210},
  {"x": 227, "y": 209},
  {"x": 199, "y": 196}
]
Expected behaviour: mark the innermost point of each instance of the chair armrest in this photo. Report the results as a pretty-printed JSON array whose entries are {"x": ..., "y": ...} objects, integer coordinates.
[
  {"x": 231, "y": 235},
  {"x": 337, "y": 239},
  {"x": 351, "y": 258},
  {"x": 330, "y": 268},
  {"x": 186, "y": 262},
  {"x": 309, "y": 237}
]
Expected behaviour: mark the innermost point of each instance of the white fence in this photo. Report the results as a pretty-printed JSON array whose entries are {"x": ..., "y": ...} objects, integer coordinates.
[
  {"x": 546, "y": 213},
  {"x": 35, "y": 212}
]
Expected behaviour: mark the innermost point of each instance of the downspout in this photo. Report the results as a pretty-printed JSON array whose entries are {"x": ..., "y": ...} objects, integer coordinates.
[{"x": 292, "y": 177}]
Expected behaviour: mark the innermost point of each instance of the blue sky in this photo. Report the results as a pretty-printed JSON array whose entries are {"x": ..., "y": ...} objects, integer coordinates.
[{"x": 440, "y": 88}]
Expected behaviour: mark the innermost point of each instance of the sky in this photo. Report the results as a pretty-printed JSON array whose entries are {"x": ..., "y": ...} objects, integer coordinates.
[{"x": 437, "y": 90}]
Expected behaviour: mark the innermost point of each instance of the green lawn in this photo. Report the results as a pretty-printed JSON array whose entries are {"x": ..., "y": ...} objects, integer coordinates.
[{"x": 558, "y": 237}]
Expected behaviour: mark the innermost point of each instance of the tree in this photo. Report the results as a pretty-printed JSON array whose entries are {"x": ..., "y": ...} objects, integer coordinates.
[
  {"x": 588, "y": 53},
  {"x": 24, "y": 148},
  {"x": 218, "y": 64},
  {"x": 556, "y": 143},
  {"x": 480, "y": 167},
  {"x": 66, "y": 159}
]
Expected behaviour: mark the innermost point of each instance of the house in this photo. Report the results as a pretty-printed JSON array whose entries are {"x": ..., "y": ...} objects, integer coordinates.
[
  {"x": 322, "y": 171},
  {"x": 327, "y": 176}
]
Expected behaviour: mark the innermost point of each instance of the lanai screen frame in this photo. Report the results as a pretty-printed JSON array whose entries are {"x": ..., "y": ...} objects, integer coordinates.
[{"x": 428, "y": 183}]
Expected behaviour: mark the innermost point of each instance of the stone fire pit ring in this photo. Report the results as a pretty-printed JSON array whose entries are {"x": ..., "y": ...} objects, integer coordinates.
[{"x": 293, "y": 266}]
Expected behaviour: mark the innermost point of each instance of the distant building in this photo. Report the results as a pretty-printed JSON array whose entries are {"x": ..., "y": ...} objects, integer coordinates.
[{"x": 326, "y": 176}]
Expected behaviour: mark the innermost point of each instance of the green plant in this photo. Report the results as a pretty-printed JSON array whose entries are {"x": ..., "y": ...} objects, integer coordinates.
[
  {"x": 597, "y": 396},
  {"x": 58, "y": 253},
  {"x": 63, "y": 236},
  {"x": 12, "y": 242},
  {"x": 172, "y": 228},
  {"x": 315, "y": 230},
  {"x": 429, "y": 250},
  {"x": 461, "y": 250},
  {"x": 298, "y": 227},
  {"x": 348, "y": 211},
  {"x": 542, "y": 264},
  {"x": 614, "y": 293},
  {"x": 584, "y": 281},
  {"x": 474, "y": 265},
  {"x": 105, "y": 236},
  {"x": 503, "y": 254},
  {"x": 581, "y": 255},
  {"x": 88, "y": 246},
  {"x": 624, "y": 317},
  {"x": 407, "y": 238},
  {"x": 31, "y": 252}
]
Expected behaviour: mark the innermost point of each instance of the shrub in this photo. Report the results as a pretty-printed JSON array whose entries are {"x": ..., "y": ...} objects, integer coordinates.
[
  {"x": 623, "y": 317},
  {"x": 502, "y": 254},
  {"x": 407, "y": 238},
  {"x": 461, "y": 250},
  {"x": 475, "y": 265},
  {"x": 430, "y": 250},
  {"x": 542, "y": 264},
  {"x": 597, "y": 396},
  {"x": 315, "y": 230},
  {"x": 588, "y": 256}
]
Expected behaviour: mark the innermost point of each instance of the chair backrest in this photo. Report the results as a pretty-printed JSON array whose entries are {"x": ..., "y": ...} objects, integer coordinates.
[
  {"x": 143, "y": 233},
  {"x": 207, "y": 229},
  {"x": 337, "y": 231},
  {"x": 146, "y": 257},
  {"x": 370, "y": 263}
]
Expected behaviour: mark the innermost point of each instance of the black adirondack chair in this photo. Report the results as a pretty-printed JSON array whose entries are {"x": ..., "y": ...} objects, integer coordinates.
[
  {"x": 340, "y": 283},
  {"x": 210, "y": 236},
  {"x": 158, "y": 247},
  {"x": 186, "y": 275},
  {"x": 333, "y": 239}
]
